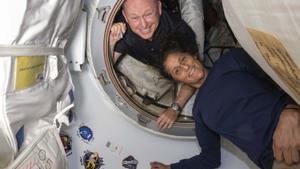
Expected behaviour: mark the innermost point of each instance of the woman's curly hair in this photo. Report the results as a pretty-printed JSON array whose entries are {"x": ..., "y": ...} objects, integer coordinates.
[{"x": 176, "y": 43}]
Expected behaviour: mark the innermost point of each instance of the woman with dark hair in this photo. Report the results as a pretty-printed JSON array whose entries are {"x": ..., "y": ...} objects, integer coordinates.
[{"x": 238, "y": 101}]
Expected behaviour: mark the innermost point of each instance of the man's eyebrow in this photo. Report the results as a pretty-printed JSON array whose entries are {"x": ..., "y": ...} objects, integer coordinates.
[{"x": 132, "y": 14}]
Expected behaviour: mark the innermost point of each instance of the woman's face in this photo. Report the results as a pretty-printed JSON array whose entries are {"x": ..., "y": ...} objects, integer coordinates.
[{"x": 185, "y": 68}]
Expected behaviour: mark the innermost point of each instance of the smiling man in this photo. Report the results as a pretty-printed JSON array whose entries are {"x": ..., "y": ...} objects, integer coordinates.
[
  {"x": 145, "y": 26},
  {"x": 143, "y": 18}
]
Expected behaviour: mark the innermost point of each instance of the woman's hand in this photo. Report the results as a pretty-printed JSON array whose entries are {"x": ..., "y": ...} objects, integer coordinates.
[
  {"x": 166, "y": 119},
  {"x": 158, "y": 165}
]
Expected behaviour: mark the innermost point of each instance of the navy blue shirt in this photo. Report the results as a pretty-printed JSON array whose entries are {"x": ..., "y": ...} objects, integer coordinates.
[
  {"x": 147, "y": 51},
  {"x": 239, "y": 102}
]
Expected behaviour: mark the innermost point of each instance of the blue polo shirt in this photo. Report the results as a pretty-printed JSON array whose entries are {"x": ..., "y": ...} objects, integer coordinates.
[{"x": 239, "y": 102}]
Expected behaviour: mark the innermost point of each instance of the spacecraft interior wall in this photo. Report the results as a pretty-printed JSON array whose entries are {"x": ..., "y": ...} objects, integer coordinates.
[
  {"x": 102, "y": 129},
  {"x": 103, "y": 135}
]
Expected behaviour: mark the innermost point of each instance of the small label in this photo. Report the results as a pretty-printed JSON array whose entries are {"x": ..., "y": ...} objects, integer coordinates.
[
  {"x": 29, "y": 71},
  {"x": 114, "y": 147},
  {"x": 278, "y": 58}
]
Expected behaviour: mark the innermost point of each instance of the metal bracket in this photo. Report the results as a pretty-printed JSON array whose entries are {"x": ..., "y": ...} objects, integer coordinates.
[
  {"x": 102, "y": 77},
  {"x": 143, "y": 120},
  {"x": 102, "y": 13}
]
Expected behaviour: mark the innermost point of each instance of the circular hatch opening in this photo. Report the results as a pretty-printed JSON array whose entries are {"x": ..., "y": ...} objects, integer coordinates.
[{"x": 137, "y": 89}]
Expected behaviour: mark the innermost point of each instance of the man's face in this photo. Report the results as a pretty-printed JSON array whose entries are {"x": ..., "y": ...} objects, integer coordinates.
[
  {"x": 185, "y": 68},
  {"x": 142, "y": 16}
]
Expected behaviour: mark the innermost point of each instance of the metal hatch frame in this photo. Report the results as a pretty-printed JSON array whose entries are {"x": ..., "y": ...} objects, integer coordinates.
[{"x": 99, "y": 24}]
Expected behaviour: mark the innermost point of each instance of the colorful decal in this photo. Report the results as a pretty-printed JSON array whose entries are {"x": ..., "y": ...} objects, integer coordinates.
[
  {"x": 114, "y": 147},
  {"x": 130, "y": 162},
  {"x": 67, "y": 143},
  {"x": 85, "y": 133},
  {"x": 91, "y": 160}
]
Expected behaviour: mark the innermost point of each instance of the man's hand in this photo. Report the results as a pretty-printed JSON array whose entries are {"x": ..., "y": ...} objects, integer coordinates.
[
  {"x": 286, "y": 138},
  {"x": 116, "y": 32},
  {"x": 166, "y": 119},
  {"x": 158, "y": 165}
]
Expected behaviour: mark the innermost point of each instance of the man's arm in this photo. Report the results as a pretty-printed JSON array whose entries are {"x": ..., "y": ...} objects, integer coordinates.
[
  {"x": 168, "y": 116},
  {"x": 116, "y": 33},
  {"x": 286, "y": 138}
]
